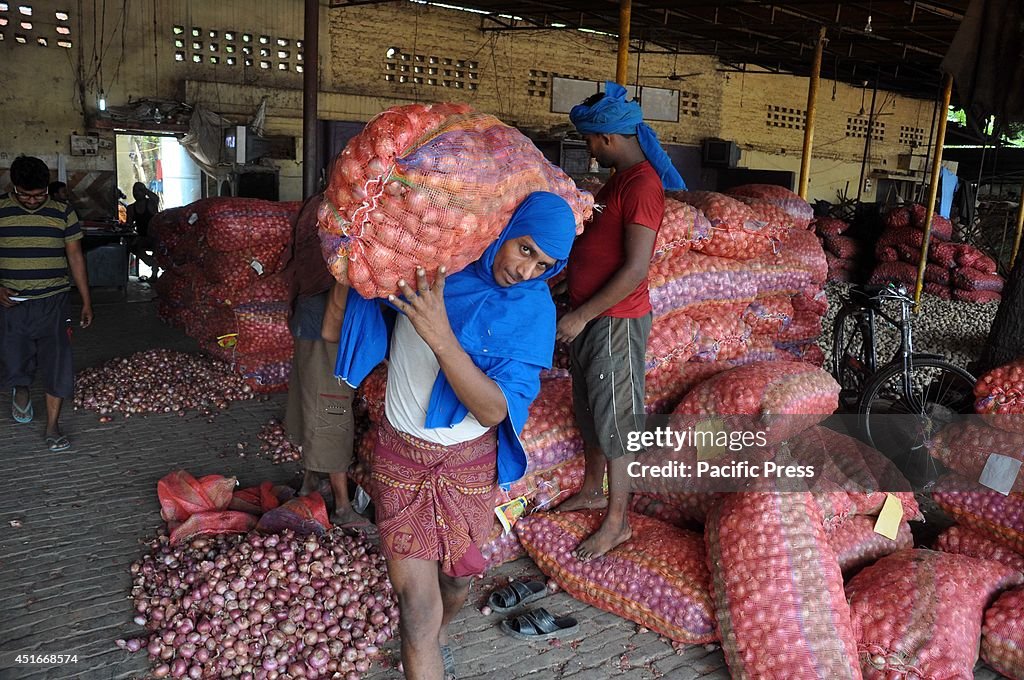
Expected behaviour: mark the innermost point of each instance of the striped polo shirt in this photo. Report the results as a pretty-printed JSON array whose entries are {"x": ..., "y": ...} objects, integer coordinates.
[{"x": 33, "y": 262}]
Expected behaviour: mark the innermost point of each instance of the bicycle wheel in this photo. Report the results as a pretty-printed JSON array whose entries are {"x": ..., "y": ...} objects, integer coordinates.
[
  {"x": 900, "y": 425},
  {"x": 852, "y": 361}
]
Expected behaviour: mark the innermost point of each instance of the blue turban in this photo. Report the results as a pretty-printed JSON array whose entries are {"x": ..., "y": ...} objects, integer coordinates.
[
  {"x": 613, "y": 115},
  {"x": 508, "y": 331}
]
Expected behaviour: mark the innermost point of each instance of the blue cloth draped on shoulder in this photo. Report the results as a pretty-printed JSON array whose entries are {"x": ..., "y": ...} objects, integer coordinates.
[
  {"x": 508, "y": 332},
  {"x": 613, "y": 115}
]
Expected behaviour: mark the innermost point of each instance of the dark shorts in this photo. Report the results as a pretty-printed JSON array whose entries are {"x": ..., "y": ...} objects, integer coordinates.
[
  {"x": 319, "y": 411},
  {"x": 34, "y": 334},
  {"x": 607, "y": 365}
]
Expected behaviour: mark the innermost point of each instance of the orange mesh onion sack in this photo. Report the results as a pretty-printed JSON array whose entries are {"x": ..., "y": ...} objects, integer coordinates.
[{"x": 432, "y": 185}]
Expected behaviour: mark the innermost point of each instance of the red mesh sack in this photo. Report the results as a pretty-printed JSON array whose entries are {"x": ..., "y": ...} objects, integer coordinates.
[
  {"x": 248, "y": 263},
  {"x": 787, "y": 397},
  {"x": 229, "y": 224},
  {"x": 965, "y": 541},
  {"x": 769, "y": 213},
  {"x": 809, "y": 353},
  {"x": 551, "y": 486},
  {"x": 898, "y": 272},
  {"x": 778, "y": 590},
  {"x": 210, "y": 323},
  {"x": 804, "y": 326},
  {"x": 736, "y": 233},
  {"x": 837, "y": 265},
  {"x": 181, "y": 495},
  {"x": 909, "y": 253},
  {"x": 815, "y": 302},
  {"x": 674, "y": 335},
  {"x": 856, "y": 544},
  {"x": 998, "y": 517},
  {"x": 943, "y": 254},
  {"x": 798, "y": 265},
  {"x": 942, "y": 228},
  {"x": 270, "y": 288},
  {"x": 692, "y": 278},
  {"x": 263, "y": 327},
  {"x": 176, "y": 288},
  {"x": 976, "y": 296},
  {"x": 969, "y": 256},
  {"x": 798, "y": 209},
  {"x": 897, "y": 218},
  {"x": 256, "y": 500},
  {"x": 304, "y": 515},
  {"x": 968, "y": 278},
  {"x": 1002, "y": 634},
  {"x": 677, "y": 509},
  {"x": 842, "y": 247},
  {"x": 918, "y": 613},
  {"x": 658, "y": 578},
  {"x": 681, "y": 227},
  {"x": 429, "y": 184},
  {"x": 1001, "y": 392},
  {"x": 936, "y": 274},
  {"x": 917, "y": 215},
  {"x": 213, "y": 523},
  {"x": 769, "y": 316},
  {"x": 886, "y": 254},
  {"x": 550, "y": 436},
  {"x": 830, "y": 226},
  {"x": 938, "y": 290},
  {"x": 265, "y": 374},
  {"x": 501, "y": 548},
  {"x": 907, "y": 236},
  {"x": 965, "y": 446}
]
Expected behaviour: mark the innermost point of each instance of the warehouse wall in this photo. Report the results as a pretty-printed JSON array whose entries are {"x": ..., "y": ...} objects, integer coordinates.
[{"x": 148, "y": 50}]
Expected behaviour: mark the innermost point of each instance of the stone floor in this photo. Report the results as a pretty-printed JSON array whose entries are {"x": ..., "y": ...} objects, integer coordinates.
[{"x": 72, "y": 523}]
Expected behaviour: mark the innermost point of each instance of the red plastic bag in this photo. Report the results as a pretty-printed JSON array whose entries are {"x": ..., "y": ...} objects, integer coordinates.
[{"x": 182, "y": 495}]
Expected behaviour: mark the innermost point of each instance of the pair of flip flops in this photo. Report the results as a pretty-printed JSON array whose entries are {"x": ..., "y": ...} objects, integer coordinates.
[
  {"x": 58, "y": 443},
  {"x": 535, "y": 624}
]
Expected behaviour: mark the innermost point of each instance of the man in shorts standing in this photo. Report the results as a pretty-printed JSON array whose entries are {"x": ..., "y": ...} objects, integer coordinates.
[
  {"x": 611, "y": 307},
  {"x": 40, "y": 241}
]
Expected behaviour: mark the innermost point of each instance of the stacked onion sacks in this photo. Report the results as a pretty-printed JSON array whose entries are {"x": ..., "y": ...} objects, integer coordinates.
[
  {"x": 262, "y": 607},
  {"x": 158, "y": 381}
]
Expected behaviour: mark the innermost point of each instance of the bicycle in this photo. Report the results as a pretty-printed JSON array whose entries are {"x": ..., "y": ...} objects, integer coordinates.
[{"x": 925, "y": 386}]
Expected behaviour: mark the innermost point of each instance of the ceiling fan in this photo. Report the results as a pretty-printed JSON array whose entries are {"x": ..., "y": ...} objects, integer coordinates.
[{"x": 677, "y": 76}]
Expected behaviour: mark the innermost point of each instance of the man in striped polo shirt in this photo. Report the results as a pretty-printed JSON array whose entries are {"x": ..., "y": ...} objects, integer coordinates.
[{"x": 40, "y": 241}]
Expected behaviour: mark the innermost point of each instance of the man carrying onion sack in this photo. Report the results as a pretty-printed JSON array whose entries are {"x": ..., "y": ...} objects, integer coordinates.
[
  {"x": 610, "y": 317},
  {"x": 466, "y": 354},
  {"x": 40, "y": 242},
  {"x": 319, "y": 411}
]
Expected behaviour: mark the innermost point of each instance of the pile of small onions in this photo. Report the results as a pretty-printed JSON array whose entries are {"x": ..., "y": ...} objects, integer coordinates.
[
  {"x": 275, "y": 443},
  {"x": 158, "y": 381},
  {"x": 262, "y": 607}
]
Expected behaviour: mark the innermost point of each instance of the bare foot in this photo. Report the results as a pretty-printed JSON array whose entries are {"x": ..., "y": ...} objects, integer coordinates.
[
  {"x": 586, "y": 499},
  {"x": 310, "y": 483},
  {"x": 603, "y": 540}
]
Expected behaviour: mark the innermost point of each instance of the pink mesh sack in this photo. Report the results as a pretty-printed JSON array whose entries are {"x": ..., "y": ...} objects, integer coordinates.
[
  {"x": 737, "y": 233},
  {"x": 429, "y": 184},
  {"x": 799, "y": 210}
]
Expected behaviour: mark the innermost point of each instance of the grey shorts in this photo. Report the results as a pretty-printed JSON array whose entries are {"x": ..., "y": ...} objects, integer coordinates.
[
  {"x": 606, "y": 361},
  {"x": 34, "y": 335},
  {"x": 319, "y": 412}
]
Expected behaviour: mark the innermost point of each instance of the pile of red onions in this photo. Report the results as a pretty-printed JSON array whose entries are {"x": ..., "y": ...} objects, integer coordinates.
[
  {"x": 159, "y": 381},
  {"x": 275, "y": 443},
  {"x": 262, "y": 607}
]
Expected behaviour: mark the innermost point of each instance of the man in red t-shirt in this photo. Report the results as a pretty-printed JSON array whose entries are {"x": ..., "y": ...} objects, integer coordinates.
[{"x": 611, "y": 307}]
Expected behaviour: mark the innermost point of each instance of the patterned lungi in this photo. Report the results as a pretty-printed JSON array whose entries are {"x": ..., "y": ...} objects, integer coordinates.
[{"x": 434, "y": 502}]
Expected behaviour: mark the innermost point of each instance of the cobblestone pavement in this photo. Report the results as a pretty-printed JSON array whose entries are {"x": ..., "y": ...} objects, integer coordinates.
[{"x": 72, "y": 523}]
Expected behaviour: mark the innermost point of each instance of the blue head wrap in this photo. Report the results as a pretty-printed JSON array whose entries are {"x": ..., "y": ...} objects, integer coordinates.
[
  {"x": 508, "y": 331},
  {"x": 613, "y": 115}
]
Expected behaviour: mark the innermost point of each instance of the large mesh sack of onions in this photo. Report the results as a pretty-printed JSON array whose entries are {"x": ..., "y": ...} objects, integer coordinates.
[
  {"x": 914, "y": 216},
  {"x": 682, "y": 226},
  {"x": 829, "y": 226},
  {"x": 173, "y": 236},
  {"x": 969, "y": 256},
  {"x": 777, "y": 589},
  {"x": 250, "y": 262},
  {"x": 965, "y": 446},
  {"x": 692, "y": 278},
  {"x": 429, "y": 184},
  {"x": 736, "y": 232},
  {"x": 798, "y": 265},
  {"x": 897, "y": 218},
  {"x": 765, "y": 211},
  {"x": 976, "y": 296},
  {"x": 681, "y": 509},
  {"x": 228, "y": 224},
  {"x": 906, "y": 236},
  {"x": 938, "y": 290},
  {"x": 207, "y": 324},
  {"x": 937, "y": 274},
  {"x": 263, "y": 327},
  {"x": 962, "y": 540},
  {"x": 238, "y": 291},
  {"x": 721, "y": 337},
  {"x": 804, "y": 327},
  {"x": 668, "y": 384},
  {"x": 501, "y": 548},
  {"x": 673, "y": 336},
  {"x": 658, "y": 578},
  {"x": 264, "y": 373},
  {"x": 968, "y": 278},
  {"x": 799, "y": 210},
  {"x": 768, "y": 316},
  {"x": 1002, "y": 634},
  {"x": 894, "y": 272},
  {"x": 843, "y": 247},
  {"x": 856, "y": 543},
  {"x": 1000, "y": 393},
  {"x": 998, "y": 517},
  {"x": 918, "y": 613},
  {"x": 550, "y": 435},
  {"x": 785, "y": 397}
]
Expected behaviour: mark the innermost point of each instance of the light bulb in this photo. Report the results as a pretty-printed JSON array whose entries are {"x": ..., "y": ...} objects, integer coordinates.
[
  {"x": 867, "y": 26},
  {"x": 102, "y": 103}
]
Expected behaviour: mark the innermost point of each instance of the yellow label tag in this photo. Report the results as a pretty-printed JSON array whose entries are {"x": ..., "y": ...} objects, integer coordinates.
[
  {"x": 509, "y": 513},
  {"x": 227, "y": 341},
  {"x": 889, "y": 519},
  {"x": 706, "y": 434}
]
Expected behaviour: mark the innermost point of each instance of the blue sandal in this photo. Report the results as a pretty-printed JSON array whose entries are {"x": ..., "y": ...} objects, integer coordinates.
[{"x": 21, "y": 414}]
